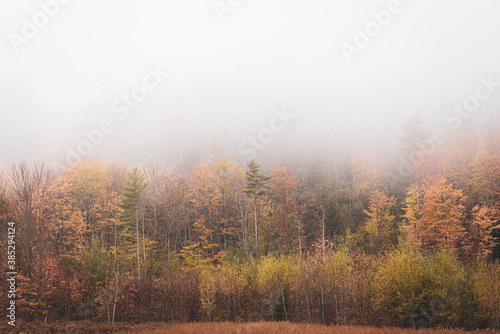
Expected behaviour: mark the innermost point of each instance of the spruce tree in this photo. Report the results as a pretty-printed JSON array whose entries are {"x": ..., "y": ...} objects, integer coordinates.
[
  {"x": 255, "y": 189},
  {"x": 414, "y": 136},
  {"x": 132, "y": 206}
]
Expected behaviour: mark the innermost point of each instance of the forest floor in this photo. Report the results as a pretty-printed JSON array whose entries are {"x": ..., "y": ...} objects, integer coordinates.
[{"x": 84, "y": 327}]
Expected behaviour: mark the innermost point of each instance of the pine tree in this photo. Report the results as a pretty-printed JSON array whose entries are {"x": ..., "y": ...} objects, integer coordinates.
[
  {"x": 412, "y": 144},
  {"x": 255, "y": 189},
  {"x": 133, "y": 208},
  {"x": 414, "y": 135}
]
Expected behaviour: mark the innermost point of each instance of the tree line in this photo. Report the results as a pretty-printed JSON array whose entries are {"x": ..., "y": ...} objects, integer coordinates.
[{"x": 353, "y": 241}]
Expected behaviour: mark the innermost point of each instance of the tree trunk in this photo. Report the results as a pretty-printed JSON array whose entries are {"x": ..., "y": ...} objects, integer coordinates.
[
  {"x": 323, "y": 230},
  {"x": 116, "y": 296},
  {"x": 300, "y": 239},
  {"x": 256, "y": 225},
  {"x": 138, "y": 246},
  {"x": 143, "y": 246}
]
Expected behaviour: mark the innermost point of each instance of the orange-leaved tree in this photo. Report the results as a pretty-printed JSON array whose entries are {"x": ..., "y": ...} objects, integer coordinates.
[
  {"x": 441, "y": 212},
  {"x": 284, "y": 187}
]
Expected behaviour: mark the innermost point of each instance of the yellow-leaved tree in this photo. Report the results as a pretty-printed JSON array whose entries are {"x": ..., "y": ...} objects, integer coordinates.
[
  {"x": 202, "y": 252},
  {"x": 441, "y": 215}
]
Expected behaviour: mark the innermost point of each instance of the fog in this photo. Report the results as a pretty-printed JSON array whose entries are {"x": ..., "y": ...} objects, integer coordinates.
[{"x": 172, "y": 81}]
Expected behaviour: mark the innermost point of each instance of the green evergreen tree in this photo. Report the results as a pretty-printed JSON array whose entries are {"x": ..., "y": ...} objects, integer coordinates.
[
  {"x": 131, "y": 203},
  {"x": 255, "y": 189}
]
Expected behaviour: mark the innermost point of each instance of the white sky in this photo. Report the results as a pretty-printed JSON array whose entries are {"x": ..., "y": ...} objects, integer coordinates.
[{"x": 228, "y": 75}]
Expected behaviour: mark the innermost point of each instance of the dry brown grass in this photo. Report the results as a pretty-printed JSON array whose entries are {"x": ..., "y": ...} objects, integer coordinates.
[
  {"x": 286, "y": 328},
  {"x": 83, "y": 327}
]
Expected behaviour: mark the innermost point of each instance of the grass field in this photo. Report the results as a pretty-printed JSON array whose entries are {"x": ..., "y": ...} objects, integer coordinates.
[{"x": 215, "y": 328}]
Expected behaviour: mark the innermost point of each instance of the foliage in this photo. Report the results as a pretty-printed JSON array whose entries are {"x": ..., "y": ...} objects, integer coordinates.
[{"x": 333, "y": 241}]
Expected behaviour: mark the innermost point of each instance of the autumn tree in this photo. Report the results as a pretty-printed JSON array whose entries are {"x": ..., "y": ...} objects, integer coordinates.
[
  {"x": 203, "y": 251},
  {"x": 478, "y": 241},
  {"x": 381, "y": 230},
  {"x": 175, "y": 226},
  {"x": 87, "y": 184},
  {"x": 326, "y": 214},
  {"x": 485, "y": 178},
  {"x": 424, "y": 291},
  {"x": 33, "y": 233},
  {"x": 217, "y": 191},
  {"x": 117, "y": 256},
  {"x": 283, "y": 189},
  {"x": 441, "y": 215},
  {"x": 29, "y": 186},
  {"x": 412, "y": 215},
  {"x": 367, "y": 180},
  {"x": 67, "y": 220}
]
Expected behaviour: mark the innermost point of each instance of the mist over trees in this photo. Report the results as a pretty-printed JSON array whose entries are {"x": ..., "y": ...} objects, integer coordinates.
[
  {"x": 334, "y": 236},
  {"x": 166, "y": 164}
]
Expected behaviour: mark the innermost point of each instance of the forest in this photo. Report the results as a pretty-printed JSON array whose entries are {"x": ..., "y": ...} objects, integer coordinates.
[{"x": 353, "y": 238}]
